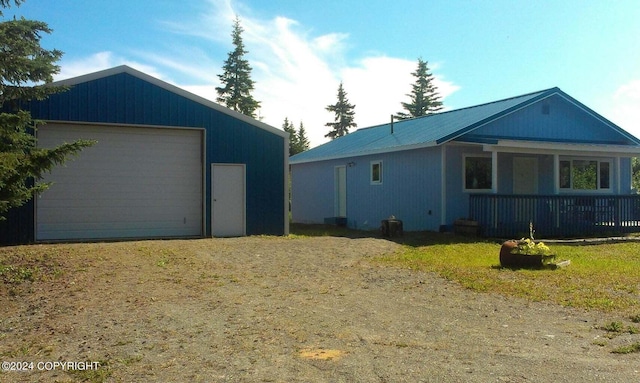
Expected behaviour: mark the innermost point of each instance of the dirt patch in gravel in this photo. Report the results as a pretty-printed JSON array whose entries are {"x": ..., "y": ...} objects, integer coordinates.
[{"x": 271, "y": 309}]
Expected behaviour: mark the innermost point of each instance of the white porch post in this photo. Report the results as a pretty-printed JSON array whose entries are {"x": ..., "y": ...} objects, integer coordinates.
[
  {"x": 494, "y": 172},
  {"x": 556, "y": 185},
  {"x": 618, "y": 175}
]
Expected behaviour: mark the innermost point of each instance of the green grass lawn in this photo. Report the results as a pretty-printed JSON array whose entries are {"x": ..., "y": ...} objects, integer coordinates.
[{"x": 603, "y": 277}]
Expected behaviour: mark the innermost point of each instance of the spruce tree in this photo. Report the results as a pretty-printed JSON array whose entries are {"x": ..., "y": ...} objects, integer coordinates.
[
  {"x": 298, "y": 141},
  {"x": 25, "y": 69},
  {"x": 344, "y": 115},
  {"x": 237, "y": 84},
  {"x": 288, "y": 127},
  {"x": 303, "y": 141},
  {"x": 424, "y": 95}
]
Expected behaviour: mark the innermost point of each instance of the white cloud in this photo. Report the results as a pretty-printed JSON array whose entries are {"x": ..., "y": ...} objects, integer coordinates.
[
  {"x": 296, "y": 74},
  {"x": 625, "y": 110}
]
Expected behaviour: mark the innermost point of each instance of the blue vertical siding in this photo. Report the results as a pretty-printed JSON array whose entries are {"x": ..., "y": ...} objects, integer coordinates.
[
  {"x": 410, "y": 190},
  {"x": 312, "y": 191},
  {"x": 126, "y": 99}
]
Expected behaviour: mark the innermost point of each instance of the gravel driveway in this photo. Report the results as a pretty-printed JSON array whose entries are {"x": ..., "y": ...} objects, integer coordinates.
[{"x": 268, "y": 309}]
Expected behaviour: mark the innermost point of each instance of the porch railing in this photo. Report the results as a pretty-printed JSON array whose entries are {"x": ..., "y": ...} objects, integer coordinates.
[{"x": 508, "y": 216}]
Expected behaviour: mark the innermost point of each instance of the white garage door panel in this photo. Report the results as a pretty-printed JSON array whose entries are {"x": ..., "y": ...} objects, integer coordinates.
[{"x": 135, "y": 182}]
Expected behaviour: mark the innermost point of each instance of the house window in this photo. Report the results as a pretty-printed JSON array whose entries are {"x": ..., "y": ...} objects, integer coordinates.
[
  {"x": 376, "y": 172},
  {"x": 477, "y": 173},
  {"x": 585, "y": 174}
]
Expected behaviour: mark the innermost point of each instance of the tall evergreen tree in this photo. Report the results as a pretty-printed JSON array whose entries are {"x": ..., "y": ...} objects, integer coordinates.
[
  {"x": 237, "y": 84},
  {"x": 298, "y": 141},
  {"x": 344, "y": 115},
  {"x": 288, "y": 127},
  {"x": 25, "y": 68},
  {"x": 303, "y": 141},
  {"x": 424, "y": 94}
]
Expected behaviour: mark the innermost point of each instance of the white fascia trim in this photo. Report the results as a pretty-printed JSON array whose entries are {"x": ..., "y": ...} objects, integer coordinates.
[
  {"x": 535, "y": 147},
  {"x": 366, "y": 153},
  {"x": 171, "y": 88}
]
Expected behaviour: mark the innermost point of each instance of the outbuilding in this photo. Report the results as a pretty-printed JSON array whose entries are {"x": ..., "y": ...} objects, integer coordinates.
[{"x": 167, "y": 164}]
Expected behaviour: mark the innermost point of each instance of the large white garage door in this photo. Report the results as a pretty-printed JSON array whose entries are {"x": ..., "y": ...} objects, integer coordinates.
[{"x": 134, "y": 183}]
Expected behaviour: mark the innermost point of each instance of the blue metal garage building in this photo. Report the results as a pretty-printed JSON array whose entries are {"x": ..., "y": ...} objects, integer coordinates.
[{"x": 167, "y": 163}]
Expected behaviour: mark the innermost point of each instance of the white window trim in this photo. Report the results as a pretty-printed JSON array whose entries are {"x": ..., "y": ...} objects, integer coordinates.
[
  {"x": 598, "y": 190},
  {"x": 464, "y": 172},
  {"x": 381, "y": 178}
]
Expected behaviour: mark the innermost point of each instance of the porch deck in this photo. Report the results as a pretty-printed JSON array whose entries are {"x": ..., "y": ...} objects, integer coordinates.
[{"x": 508, "y": 216}]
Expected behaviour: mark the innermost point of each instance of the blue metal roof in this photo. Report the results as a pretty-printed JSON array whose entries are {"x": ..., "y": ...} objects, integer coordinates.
[{"x": 430, "y": 130}]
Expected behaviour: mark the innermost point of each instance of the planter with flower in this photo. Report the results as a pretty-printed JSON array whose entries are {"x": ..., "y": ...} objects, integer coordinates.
[{"x": 526, "y": 253}]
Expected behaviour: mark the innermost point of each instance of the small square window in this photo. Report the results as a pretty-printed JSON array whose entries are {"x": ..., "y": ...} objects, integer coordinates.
[
  {"x": 477, "y": 173},
  {"x": 376, "y": 172}
]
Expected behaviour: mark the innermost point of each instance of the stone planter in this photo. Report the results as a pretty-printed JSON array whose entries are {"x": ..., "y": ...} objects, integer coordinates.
[{"x": 507, "y": 259}]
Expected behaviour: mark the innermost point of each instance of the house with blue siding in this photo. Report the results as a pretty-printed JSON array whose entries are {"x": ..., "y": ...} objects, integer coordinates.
[
  {"x": 167, "y": 164},
  {"x": 541, "y": 157}
]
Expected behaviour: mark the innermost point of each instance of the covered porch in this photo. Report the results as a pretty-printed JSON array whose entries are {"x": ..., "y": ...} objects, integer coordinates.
[{"x": 565, "y": 190}]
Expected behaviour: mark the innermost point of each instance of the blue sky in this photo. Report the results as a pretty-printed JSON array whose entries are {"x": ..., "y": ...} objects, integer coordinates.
[{"x": 479, "y": 51}]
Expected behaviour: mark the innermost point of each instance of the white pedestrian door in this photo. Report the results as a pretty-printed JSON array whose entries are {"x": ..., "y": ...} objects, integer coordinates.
[
  {"x": 340, "y": 203},
  {"x": 525, "y": 175},
  {"x": 228, "y": 200}
]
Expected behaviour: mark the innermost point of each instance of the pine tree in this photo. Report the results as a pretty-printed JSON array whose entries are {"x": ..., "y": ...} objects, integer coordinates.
[
  {"x": 24, "y": 69},
  {"x": 424, "y": 95},
  {"x": 344, "y": 114},
  {"x": 298, "y": 141},
  {"x": 288, "y": 127},
  {"x": 303, "y": 141},
  {"x": 236, "y": 79}
]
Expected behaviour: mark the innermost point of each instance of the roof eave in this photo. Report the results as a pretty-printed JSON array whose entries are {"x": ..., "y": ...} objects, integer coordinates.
[{"x": 365, "y": 153}]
